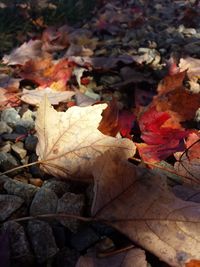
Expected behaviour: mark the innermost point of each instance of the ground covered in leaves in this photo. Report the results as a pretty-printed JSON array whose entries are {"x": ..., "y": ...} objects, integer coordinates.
[{"x": 100, "y": 141}]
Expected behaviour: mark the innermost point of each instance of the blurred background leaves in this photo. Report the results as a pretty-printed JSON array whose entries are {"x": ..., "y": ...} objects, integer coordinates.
[{"x": 21, "y": 20}]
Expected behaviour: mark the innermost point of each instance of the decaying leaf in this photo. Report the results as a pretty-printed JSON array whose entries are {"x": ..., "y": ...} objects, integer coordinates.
[
  {"x": 34, "y": 97},
  {"x": 191, "y": 65},
  {"x": 138, "y": 203},
  {"x": 131, "y": 258},
  {"x": 69, "y": 142}
]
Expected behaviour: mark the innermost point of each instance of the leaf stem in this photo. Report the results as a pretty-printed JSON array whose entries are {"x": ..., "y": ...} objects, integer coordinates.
[
  {"x": 54, "y": 215},
  {"x": 20, "y": 167}
]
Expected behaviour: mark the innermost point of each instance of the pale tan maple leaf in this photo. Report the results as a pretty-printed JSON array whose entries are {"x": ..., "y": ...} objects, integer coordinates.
[
  {"x": 131, "y": 258},
  {"x": 69, "y": 142},
  {"x": 138, "y": 203},
  {"x": 34, "y": 97}
]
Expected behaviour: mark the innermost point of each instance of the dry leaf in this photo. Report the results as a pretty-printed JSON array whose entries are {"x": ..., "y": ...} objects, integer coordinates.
[
  {"x": 138, "y": 203},
  {"x": 131, "y": 258},
  {"x": 25, "y": 52},
  {"x": 191, "y": 65},
  {"x": 188, "y": 164},
  {"x": 69, "y": 142},
  {"x": 34, "y": 97}
]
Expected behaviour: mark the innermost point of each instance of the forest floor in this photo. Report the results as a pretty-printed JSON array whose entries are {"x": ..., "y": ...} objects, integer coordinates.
[{"x": 99, "y": 134}]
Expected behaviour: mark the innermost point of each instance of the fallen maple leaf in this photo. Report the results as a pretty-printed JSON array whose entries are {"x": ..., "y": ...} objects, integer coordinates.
[
  {"x": 138, "y": 203},
  {"x": 34, "y": 97},
  {"x": 69, "y": 142},
  {"x": 171, "y": 82},
  {"x": 160, "y": 141},
  {"x": 46, "y": 73},
  {"x": 27, "y": 51},
  {"x": 131, "y": 258},
  {"x": 174, "y": 98}
]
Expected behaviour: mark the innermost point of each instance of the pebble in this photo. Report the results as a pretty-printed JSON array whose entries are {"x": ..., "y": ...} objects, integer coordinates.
[
  {"x": 4, "y": 128},
  {"x": 30, "y": 143},
  {"x": 27, "y": 120},
  {"x": 7, "y": 162},
  {"x": 44, "y": 202},
  {"x": 35, "y": 169},
  {"x": 66, "y": 258},
  {"x": 58, "y": 187},
  {"x": 36, "y": 181},
  {"x": 20, "y": 130},
  {"x": 22, "y": 190},
  {"x": 19, "y": 151},
  {"x": 84, "y": 239},
  {"x": 10, "y": 116},
  {"x": 71, "y": 203},
  {"x": 19, "y": 246},
  {"x": 12, "y": 137},
  {"x": 8, "y": 205},
  {"x": 3, "y": 180},
  {"x": 42, "y": 240},
  {"x": 5, "y": 147}
]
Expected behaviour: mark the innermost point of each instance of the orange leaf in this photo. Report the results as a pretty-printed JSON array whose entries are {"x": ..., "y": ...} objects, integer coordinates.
[{"x": 193, "y": 263}]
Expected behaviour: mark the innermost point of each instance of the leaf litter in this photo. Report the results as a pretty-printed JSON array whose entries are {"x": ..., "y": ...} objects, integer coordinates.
[{"x": 148, "y": 118}]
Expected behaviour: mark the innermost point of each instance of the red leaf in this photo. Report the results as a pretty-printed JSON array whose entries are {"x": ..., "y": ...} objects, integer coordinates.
[{"x": 160, "y": 141}]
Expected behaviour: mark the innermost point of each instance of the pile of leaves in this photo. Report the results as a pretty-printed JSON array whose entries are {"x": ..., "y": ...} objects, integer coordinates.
[{"x": 92, "y": 135}]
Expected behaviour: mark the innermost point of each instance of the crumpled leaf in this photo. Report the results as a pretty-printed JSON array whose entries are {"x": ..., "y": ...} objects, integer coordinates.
[
  {"x": 83, "y": 100},
  {"x": 192, "y": 66},
  {"x": 103, "y": 62},
  {"x": 160, "y": 141},
  {"x": 27, "y": 51},
  {"x": 131, "y": 258},
  {"x": 34, "y": 97},
  {"x": 174, "y": 98},
  {"x": 45, "y": 73},
  {"x": 138, "y": 203},
  {"x": 69, "y": 142},
  {"x": 8, "y": 99},
  {"x": 171, "y": 82}
]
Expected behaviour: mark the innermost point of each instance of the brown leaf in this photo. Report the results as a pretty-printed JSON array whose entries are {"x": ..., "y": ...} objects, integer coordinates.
[
  {"x": 171, "y": 82},
  {"x": 180, "y": 102},
  {"x": 69, "y": 142},
  {"x": 138, "y": 203},
  {"x": 109, "y": 124},
  {"x": 131, "y": 258}
]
